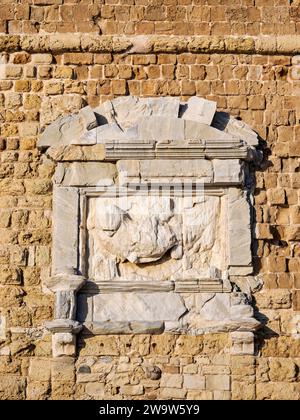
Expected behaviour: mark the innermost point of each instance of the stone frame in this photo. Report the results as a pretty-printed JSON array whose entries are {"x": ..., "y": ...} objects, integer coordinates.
[{"x": 80, "y": 174}]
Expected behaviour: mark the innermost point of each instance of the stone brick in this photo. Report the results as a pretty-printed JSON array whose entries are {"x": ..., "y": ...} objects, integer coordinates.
[
  {"x": 132, "y": 390},
  {"x": 38, "y": 390},
  {"x": 293, "y": 233},
  {"x": 32, "y": 101},
  {"x": 62, "y": 369},
  {"x": 188, "y": 88},
  {"x": 276, "y": 391},
  {"x": 63, "y": 72},
  {"x": 257, "y": 102},
  {"x": 276, "y": 196},
  {"x": 218, "y": 382},
  {"x": 95, "y": 389},
  {"x": 22, "y": 86},
  {"x": 222, "y": 395},
  {"x": 200, "y": 395},
  {"x": 277, "y": 299},
  {"x": 62, "y": 390},
  {"x": 282, "y": 370},
  {"x": 296, "y": 300},
  {"x": 39, "y": 370},
  {"x": 294, "y": 149},
  {"x": 100, "y": 346},
  {"x": 12, "y": 387},
  {"x": 13, "y": 100},
  {"x": 194, "y": 382},
  {"x": 263, "y": 231},
  {"x": 237, "y": 102},
  {"x": 171, "y": 380},
  {"x": 243, "y": 391},
  {"x": 172, "y": 393},
  {"x": 78, "y": 58},
  {"x": 119, "y": 87},
  {"x": 198, "y": 72},
  {"x": 10, "y": 276},
  {"x": 53, "y": 88}
]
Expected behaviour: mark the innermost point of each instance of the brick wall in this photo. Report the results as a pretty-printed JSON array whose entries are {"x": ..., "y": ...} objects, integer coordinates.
[
  {"x": 174, "y": 17},
  {"x": 46, "y": 73}
]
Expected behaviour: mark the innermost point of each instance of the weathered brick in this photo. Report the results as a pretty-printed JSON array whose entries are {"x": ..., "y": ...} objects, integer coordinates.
[
  {"x": 218, "y": 382},
  {"x": 78, "y": 58},
  {"x": 194, "y": 381}
]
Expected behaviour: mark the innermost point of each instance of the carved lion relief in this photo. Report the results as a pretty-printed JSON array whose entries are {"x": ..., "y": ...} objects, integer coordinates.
[{"x": 184, "y": 240}]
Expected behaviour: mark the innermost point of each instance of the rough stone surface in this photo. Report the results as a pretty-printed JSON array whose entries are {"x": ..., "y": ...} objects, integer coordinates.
[
  {"x": 53, "y": 62},
  {"x": 69, "y": 130}
]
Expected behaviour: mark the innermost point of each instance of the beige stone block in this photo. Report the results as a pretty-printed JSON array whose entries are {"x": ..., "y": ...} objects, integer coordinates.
[
  {"x": 243, "y": 391},
  {"x": 53, "y": 88},
  {"x": 276, "y": 196},
  {"x": 191, "y": 368},
  {"x": 13, "y": 100},
  {"x": 282, "y": 370},
  {"x": 277, "y": 391},
  {"x": 214, "y": 369},
  {"x": 13, "y": 71},
  {"x": 263, "y": 231},
  {"x": 172, "y": 393},
  {"x": 132, "y": 390},
  {"x": 42, "y": 58},
  {"x": 222, "y": 395},
  {"x": 62, "y": 390},
  {"x": 171, "y": 380},
  {"x": 200, "y": 395},
  {"x": 194, "y": 382},
  {"x": 100, "y": 346},
  {"x": 218, "y": 382},
  {"x": 39, "y": 370},
  {"x": 12, "y": 387},
  {"x": 95, "y": 389},
  {"x": 38, "y": 391},
  {"x": 274, "y": 299},
  {"x": 63, "y": 369}
]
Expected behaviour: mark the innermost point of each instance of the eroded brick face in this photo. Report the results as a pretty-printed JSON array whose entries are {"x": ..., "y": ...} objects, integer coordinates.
[{"x": 248, "y": 78}]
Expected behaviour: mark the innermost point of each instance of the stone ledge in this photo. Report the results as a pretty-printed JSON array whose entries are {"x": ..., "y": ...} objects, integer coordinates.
[{"x": 144, "y": 44}]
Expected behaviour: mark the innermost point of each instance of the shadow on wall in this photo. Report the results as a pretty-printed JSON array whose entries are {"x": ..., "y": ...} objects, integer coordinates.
[
  {"x": 264, "y": 333},
  {"x": 220, "y": 122}
]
